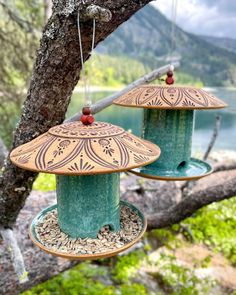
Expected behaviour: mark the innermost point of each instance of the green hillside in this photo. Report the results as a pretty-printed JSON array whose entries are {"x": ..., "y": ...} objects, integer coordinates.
[
  {"x": 226, "y": 43},
  {"x": 147, "y": 38}
]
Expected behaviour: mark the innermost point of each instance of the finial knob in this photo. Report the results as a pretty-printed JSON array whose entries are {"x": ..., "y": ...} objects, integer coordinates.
[
  {"x": 86, "y": 118},
  {"x": 170, "y": 80}
]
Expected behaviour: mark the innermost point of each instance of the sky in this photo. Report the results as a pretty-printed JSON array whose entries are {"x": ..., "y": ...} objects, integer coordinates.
[{"x": 205, "y": 17}]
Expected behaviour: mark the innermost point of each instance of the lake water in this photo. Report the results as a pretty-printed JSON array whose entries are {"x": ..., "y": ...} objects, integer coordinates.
[{"x": 131, "y": 119}]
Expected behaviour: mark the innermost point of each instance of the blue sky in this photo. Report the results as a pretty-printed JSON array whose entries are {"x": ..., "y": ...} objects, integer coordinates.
[{"x": 206, "y": 17}]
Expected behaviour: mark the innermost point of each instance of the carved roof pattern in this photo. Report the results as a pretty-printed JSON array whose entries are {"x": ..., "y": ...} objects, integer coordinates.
[
  {"x": 77, "y": 149},
  {"x": 169, "y": 97}
]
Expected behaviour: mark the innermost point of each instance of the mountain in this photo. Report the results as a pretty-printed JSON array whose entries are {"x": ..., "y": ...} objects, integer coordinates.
[
  {"x": 146, "y": 36},
  {"x": 226, "y": 43}
]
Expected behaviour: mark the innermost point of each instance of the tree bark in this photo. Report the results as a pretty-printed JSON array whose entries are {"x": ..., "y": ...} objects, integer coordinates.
[{"x": 56, "y": 72}]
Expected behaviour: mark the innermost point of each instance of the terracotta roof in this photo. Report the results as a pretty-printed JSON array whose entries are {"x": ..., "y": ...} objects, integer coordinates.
[
  {"x": 77, "y": 149},
  {"x": 169, "y": 97}
]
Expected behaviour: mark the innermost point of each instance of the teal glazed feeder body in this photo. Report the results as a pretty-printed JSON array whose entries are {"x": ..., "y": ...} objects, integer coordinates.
[
  {"x": 169, "y": 121},
  {"x": 87, "y": 160},
  {"x": 173, "y": 132},
  {"x": 88, "y": 202}
]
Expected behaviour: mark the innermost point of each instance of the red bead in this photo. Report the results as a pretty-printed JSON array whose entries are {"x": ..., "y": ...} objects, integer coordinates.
[
  {"x": 83, "y": 119},
  {"x": 90, "y": 119},
  {"x": 87, "y": 119},
  {"x": 86, "y": 111},
  {"x": 170, "y": 73},
  {"x": 170, "y": 80}
]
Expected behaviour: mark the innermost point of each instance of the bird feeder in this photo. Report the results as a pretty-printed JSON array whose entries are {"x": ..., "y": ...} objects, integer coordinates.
[
  {"x": 87, "y": 160},
  {"x": 168, "y": 121}
]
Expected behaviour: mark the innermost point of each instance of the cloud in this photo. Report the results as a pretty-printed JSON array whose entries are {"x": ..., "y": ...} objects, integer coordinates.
[
  {"x": 227, "y": 7},
  {"x": 206, "y": 17}
]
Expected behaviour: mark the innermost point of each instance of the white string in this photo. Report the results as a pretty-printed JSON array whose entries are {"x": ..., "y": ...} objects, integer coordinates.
[
  {"x": 87, "y": 83},
  {"x": 83, "y": 78},
  {"x": 91, "y": 62},
  {"x": 173, "y": 37}
]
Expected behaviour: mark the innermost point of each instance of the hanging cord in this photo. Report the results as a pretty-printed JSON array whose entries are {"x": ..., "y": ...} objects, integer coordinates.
[
  {"x": 83, "y": 78},
  {"x": 170, "y": 73},
  {"x": 86, "y": 82},
  {"x": 173, "y": 37},
  {"x": 91, "y": 62}
]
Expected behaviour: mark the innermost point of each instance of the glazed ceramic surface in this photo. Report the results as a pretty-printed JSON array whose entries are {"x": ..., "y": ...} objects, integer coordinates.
[
  {"x": 172, "y": 130},
  {"x": 195, "y": 169},
  {"x": 36, "y": 241},
  {"x": 77, "y": 149},
  {"x": 169, "y": 97},
  {"x": 86, "y": 203}
]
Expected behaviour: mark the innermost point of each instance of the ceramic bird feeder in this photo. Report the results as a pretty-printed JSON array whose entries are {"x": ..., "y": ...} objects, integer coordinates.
[
  {"x": 168, "y": 121},
  {"x": 87, "y": 159}
]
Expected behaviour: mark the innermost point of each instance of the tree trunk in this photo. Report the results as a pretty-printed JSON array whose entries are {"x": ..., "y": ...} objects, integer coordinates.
[{"x": 56, "y": 72}]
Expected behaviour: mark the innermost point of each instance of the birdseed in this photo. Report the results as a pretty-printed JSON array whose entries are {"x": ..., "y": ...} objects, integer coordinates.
[{"x": 50, "y": 235}]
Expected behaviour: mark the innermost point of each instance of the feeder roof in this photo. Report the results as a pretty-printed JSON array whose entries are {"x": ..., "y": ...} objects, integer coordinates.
[
  {"x": 169, "y": 97},
  {"x": 77, "y": 149}
]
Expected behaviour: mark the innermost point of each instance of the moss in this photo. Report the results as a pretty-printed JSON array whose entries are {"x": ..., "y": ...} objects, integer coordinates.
[
  {"x": 136, "y": 289},
  {"x": 166, "y": 237},
  {"x": 175, "y": 279},
  {"x": 23, "y": 277},
  {"x": 84, "y": 280},
  {"x": 79, "y": 280},
  {"x": 126, "y": 266},
  {"x": 215, "y": 226}
]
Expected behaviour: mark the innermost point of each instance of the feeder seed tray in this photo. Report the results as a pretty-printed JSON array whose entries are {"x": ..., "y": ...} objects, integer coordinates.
[
  {"x": 196, "y": 168},
  {"x": 102, "y": 247},
  {"x": 168, "y": 121}
]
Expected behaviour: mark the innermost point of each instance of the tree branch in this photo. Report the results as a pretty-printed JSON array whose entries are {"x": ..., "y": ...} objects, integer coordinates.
[
  {"x": 214, "y": 137},
  {"x": 213, "y": 188},
  {"x": 15, "y": 253},
  {"x": 189, "y": 185},
  {"x": 104, "y": 103},
  {"x": 225, "y": 166}
]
